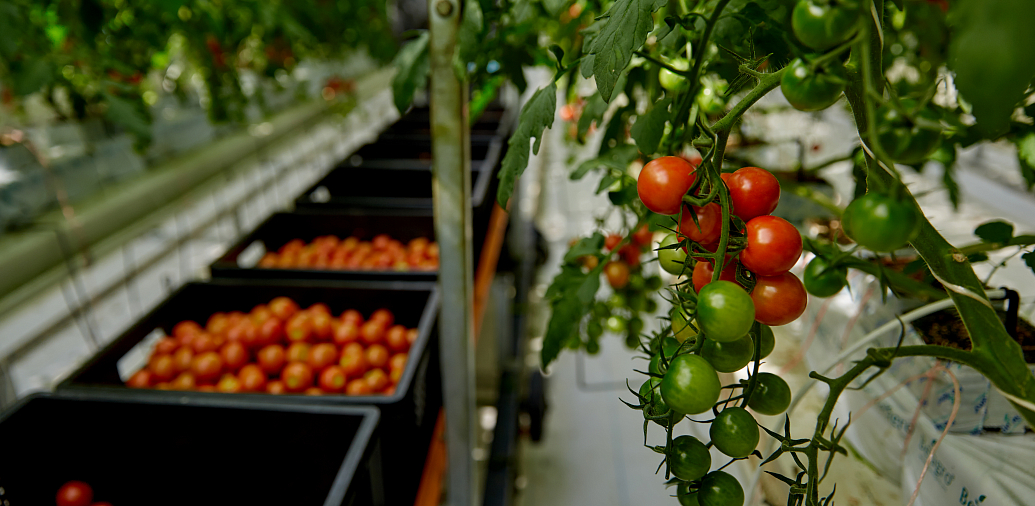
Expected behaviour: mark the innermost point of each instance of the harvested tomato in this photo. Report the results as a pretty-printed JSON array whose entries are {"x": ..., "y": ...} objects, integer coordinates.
[
  {"x": 773, "y": 246},
  {"x": 358, "y": 386},
  {"x": 377, "y": 379},
  {"x": 351, "y": 315},
  {"x": 271, "y": 331},
  {"x": 74, "y": 493},
  {"x": 229, "y": 384},
  {"x": 186, "y": 327},
  {"x": 283, "y": 308},
  {"x": 140, "y": 379},
  {"x": 207, "y": 366},
  {"x": 234, "y": 355},
  {"x": 203, "y": 343},
  {"x": 253, "y": 378},
  {"x": 297, "y": 376},
  {"x": 385, "y": 316},
  {"x": 373, "y": 331},
  {"x": 322, "y": 355},
  {"x": 396, "y": 340},
  {"x": 276, "y": 387},
  {"x": 779, "y": 299},
  {"x": 182, "y": 359},
  {"x": 377, "y": 356},
  {"x": 346, "y": 332},
  {"x": 298, "y": 352},
  {"x": 333, "y": 379},
  {"x": 272, "y": 358},
  {"x": 166, "y": 346},
  {"x": 321, "y": 324},
  {"x": 162, "y": 367},
  {"x": 354, "y": 364}
]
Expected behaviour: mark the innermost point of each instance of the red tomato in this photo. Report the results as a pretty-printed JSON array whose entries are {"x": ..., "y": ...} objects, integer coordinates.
[
  {"x": 319, "y": 307},
  {"x": 74, "y": 493},
  {"x": 704, "y": 270},
  {"x": 351, "y": 315},
  {"x": 162, "y": 368},
  {"x": 385, "y": 316},
  {"x": 377, "y": 379},
  {"x": 298, "y": 328},
  {"x": 166, "y": 346},
  {"x": 297, "y": 376},
  {"x": 372, "y": 331},
  {"x": 643, "y": 236},
  {"x": 611, "y": 241},
  {"x": 753, "y": 191},
  {"x": 185, "y": 381},
  {"x": 253, "y": 378},
  {"x": 412, "y": 335},
  {"x": 234, "y": 355},
  {"x": 663, "y": 182},
  {"x": 322, "y": 355},
  {"x": 229, "y": 384},
  {"x": 283, "y": 308},
  {"x": 140, "y": 379},
  {"x": 313, "y": 391},
  {"x": 321, "y": 323},
  {"x": 708, "y": 228},
  {"x": 276, "y": 387},
  {"x": 631, "y": 254},
  {"x": 271, "y": 331},
  {"x": 207, "y": 366},
  {"x": 354, "y": 364},
  {"x": 358, "y": 386},
  {"x": 333, "y": 379},
  {"x": 182, "y": 358},
  {"x": 773, "y": 246},
  {"x": 260, "y": 313},
  {"x": 398, "y": 362},
  {"x": 395, "y": 375},
  {"x": 203, "y": 343},
  {"x": 271, "y": 358},
  {"x": 218, "y": 323},
  {"x": 102, "y": 503},
  {"x": 298, "y": 352},
  {"x": 377, "y": 356},
  {"x": 186, "y": 327},
  {"x": 396, "y": 340},
  {"x": 779, "y": 299},
  {"x": 346, "y": 332}
]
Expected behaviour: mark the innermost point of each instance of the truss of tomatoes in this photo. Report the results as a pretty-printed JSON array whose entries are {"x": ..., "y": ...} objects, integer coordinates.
[
  {"x": 773, "y": 245},
  {"x": 329, "y": 252},
  {"x": 279, "y": 348}
]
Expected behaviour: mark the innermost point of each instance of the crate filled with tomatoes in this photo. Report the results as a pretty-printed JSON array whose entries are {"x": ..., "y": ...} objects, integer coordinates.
[
  {"x": 293, "y": 341},
  {"x": 382, "y": 246},
  {"x": 86, "y": 450}
]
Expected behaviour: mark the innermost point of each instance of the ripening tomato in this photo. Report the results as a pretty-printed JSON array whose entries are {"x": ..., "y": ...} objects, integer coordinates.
[
  {"x": 234, "y": 355},
  {"x": 333, "y": 379},
  {"x": 182, "y": 359},
  {"x": 385, "y": 316},
  {"x": 229, "y": 384},
  {"x": 162, "y": 367},
  {"x": 617, "y": 273},
  {"x": 299, "y": 328},
  {"x": 276, "y": 387},
  {"x": 185, "y": 381},
  {"x": 611, "y": 241},
  {"x": 377, "y": 356},
  {"x": 753, "y": 191},
  {"x": 412, "y": 335},
  {"x": 140, "y": 379},
  {"x": 204, "y": 343},
  {"x": 373, "y": 331},
  {"x": 297, "y": 376},
  {"x": 708, "y": 228},
  {"x": 398, "y": 362},
  {"x": 298, "y": 352},
  {"x": 354, "y": 364},
  {"x": 283, "y": 308},
  {"x": 395, "y": 339},
  {"x": 704, "y": 271},
  {"x": 779, "y": 299},
  {"x": 322, "y": 355},
  {"x": 272, "y": 358},
  {"x": 74, "y": 493},
  {"x": 186, "y": 327},
  {"x": 643, "y": 236},
  {"x": 321, "y": 323},
  {"x": 663, "y": 182},
  {"x": 773, "y": 246},
  {"x": 351, "y": 315},
  {"x": 346, "y": 332},
  {"x": 253, "y": 378},
  {"x": 377, "y": 379},
  {"x": 630, "y": 253},
  {"x": 358, "y": 386},
  {"x": 166, "y": 346},
  {"x": 207, "y": 366}
]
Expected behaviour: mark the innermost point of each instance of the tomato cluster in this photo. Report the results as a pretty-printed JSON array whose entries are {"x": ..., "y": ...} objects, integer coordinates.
[
  {"x": 330, "y": 252},
  {"x": 280, "y": 348},
  {"x": 77, "y": 493}
]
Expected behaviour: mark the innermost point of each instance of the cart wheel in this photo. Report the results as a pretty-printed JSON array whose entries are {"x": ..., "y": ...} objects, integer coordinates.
[{"x": 536, "y": 405}]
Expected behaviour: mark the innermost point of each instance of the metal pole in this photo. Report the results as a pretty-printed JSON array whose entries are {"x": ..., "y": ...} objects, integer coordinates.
[{"x": 451, "y": 153}]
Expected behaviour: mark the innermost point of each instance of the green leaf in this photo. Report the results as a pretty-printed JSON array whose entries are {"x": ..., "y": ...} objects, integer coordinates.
[
  {"x": 627, "y": 194},
  {"x": 976, "y": 257},
  {"x": 468, "y": 38},
  {"x": 650, "y": 126},
  {"x": 995, "y": 232},
  {"x": 593, "y": 112},
  {"x": 618, "y": 158},
  {"x": 1029, "y": 260},
  {"x": 586, "y": 246},
  {"x": 564, "y": 320},
  {"x": 536, "y": 116},
  {"x": 607, "y": 181},
  {"x": 412, "y": 66},
  {"x": 991, "y": 54},
  {"x": 128, "y": 115},
  {"x": 1026, "y": 157},
  {"x": 570, "y": 294},
  {"x": 628, "y": 22},
  {"x": 946, "y": 155},
  {"x": 31, "y": 76}
]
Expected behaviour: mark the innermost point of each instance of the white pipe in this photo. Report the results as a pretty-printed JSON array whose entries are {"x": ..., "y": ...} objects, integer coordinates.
[{"x": 915, "y": 314}]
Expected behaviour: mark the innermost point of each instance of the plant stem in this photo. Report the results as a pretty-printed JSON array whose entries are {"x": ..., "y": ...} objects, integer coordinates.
[{"x": 765, "y": 85}]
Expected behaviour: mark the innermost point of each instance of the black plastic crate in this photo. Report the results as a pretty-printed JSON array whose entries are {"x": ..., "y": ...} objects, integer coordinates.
[
  {"x": 407, "y": 416},
  {"x": 190, "y": 451},
  {"x": 239, "y": 261}
]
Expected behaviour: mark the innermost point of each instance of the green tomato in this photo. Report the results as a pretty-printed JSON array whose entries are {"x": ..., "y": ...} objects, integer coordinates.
[
  {"x": 600, "y": 310},
  {"x": 655, "y": 404},
  {"x": 654, "y": 283},
  {"x": 772, "y": 396},
  {"x": 880, "y": 223},
  {"x": 594, "y": 329},
  {"x": 903, "y": 140},
  {"x": 719, "y": 488},
  {"x": 681, "y": 328},
  {"x": 616, "y": 324},
  {"x": 734, "y": 432},
  {"x": 809, "y": 90},
  {"x": 824, "y": 280},
  {"x": 637, "y": 301},
  {"x": 672, "y": 81},
  {"x": 685, "y": 496},
  {"x": 615, "y": 301},
  {"x": 822, "y": 25},
  {"x": 669, "y": 347},
  {"x": 592, "y": 347},
  {"x": 690, "y": 385},
  {"x": 672, "y": 259},
  {"x": 632, "y": 342},
  {"x": 710, "y": 99},
  {"x": 651, "y": 306},
  {"x": 725, "y": 311},
  {"x": 730, "y": 356},
  {"x": 688, "y": 458},
  {"x": 767, "y": 341},
  {"x": 635, "y": 326}
]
